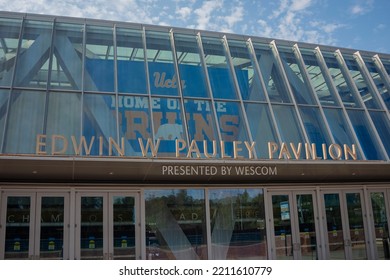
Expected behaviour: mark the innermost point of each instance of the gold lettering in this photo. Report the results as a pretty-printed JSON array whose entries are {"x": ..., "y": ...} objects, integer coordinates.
[
  {"x": 350, "y": 152},
  {"x": 272, "y": 148},
  {"x": 54, "y": 139},
  {"x": 112, "y": 143},
  {"x": 205, "y": 149},
  {"x": 324, "y": 152},
  {"x": 193, "y": 148},
  {"x": 335, "y": 148},
  {"x": 39, "y": 144},
  {"x": 284, "y": 151},
  {"x": 250, "y": 147},
  {"x": 223, "y": 154},
  {"x": 296, "y": 151},
  {"x": 236, "y": 149},
  {"x": 78, "y": 148},
  {"x": 180, "y": 147},
  {"x": 149, "y": 143}
]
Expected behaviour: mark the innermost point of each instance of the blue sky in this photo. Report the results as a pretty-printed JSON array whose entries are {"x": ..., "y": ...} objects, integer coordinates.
[{"x": 357, "y": 24}]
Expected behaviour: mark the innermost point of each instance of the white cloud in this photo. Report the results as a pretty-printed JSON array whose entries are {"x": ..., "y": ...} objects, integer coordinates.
[
  {"x": 357, "y": 10},
  {"x": 298, "y": 5},
  {"x": 362, "y": 7},
  {"x": 236, "y": 16},
  {"x": 184, "y": 12},
  {"x": 204, "y": 12}
]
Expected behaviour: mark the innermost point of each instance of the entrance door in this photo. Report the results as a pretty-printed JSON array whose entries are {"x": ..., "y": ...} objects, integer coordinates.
[
  {"x": 379, "y": 211},
  {"x": 345, "y": 224},
  {"x": 107, "y": 226},
  {"x": 34, "y": 226},
  {"x": 294, "y": 225}
]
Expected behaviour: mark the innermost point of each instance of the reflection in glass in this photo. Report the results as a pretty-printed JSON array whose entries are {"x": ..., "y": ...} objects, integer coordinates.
[
  {"x": 220, "y": 77},
  {"x": 294, "y": 75},
  {"x": 277, "y": 91},
  {"x": 324, "y": 94},
  {"x": 175, "y": 224},
  {"x": 307, "y": 229},
  {"x": 33, "y": 60},
  {"x": 248, "y": 80},
  {"x": 91, "y": 231},
  {"x": 261, "y": 127},
  {"x": 282, "y": 227},
  {"x": 4, "y": 97},
  {"x": 334, "y": 226},
  {"x": 52, "y": 228},
  {"x": 347, "y": 95},
  {"x": 162, "y": 74},
  {"x": 66, "y": 65},
  {"x": 124, "y": 228},
  {"x": 356, "y": 226},
  {"x": 9, "y": 36},
  {"x": 382, "y": 125},
  {"x": 381, "y": 226},
  {"x": 130, "y": 61},
  {"x": 99, "y": 62},
  {"x": 193, "y": 81},
  {"x": 17, "y": 231},
  {"x": 379, "y": 82},
  {"x": 21, "y": 134},
  {"x": 365, "y": 134},
  {"x": 237, "y": 224}
]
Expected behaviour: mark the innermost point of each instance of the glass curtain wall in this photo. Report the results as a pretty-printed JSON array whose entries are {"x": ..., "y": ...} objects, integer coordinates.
[{"x": 108, "y": 89}]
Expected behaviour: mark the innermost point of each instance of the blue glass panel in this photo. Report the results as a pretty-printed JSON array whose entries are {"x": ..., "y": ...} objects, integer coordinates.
[
  {"x": 247, "y": 78},
  {"x": 367, "y": 96},
  {"x": 99, "y": 120},
  {"x": 276, "y": 89},
  {"x": 66, "y": 66},
  {"x": 201, "y": 123},
  {"x": 382, "y": 125},
  {"x": 131, "y": 61},
  {"x": 4, "y": 97},
  {"x": 134, "y": 121},
  {"x": 99, "y": 74},
  {"x": 168, "y": 124},
  {"x": 288, "y": 124},
  {"x": 9, "y": 36},
  {"x": 190, "y": 68},
  {"x": 346, "y": 93},
  {"x": 221, "y": 80},
  {"x": 295, "y": 77},
  {"x": 321, "y": 88},
  {"x": 340, "y": 128},
  {"x": 261, "y": 127},
  {"x": 33, "y": 60},
  {"x": 162, "y": 74},
  {"x": 365, "y": 134},
  {"x": 64, "y": 119},
  {"x": 315, "y": 127},
  {"x": 25, "y": 121},
  {"x": 379, "y": 82}
]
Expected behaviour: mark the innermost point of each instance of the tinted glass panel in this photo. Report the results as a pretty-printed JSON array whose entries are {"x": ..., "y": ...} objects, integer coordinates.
[
  {"x": 217, "y": 67},
  {"x": 282, "y": 227},
  {"x": 379, "y": 82},
  {"x": 192, "y": 77},
  {"x": 381, "y": 225},
  {"x": 4, "y": 97},
  {"x": 99, "y": 62},
  {"x": 382, "y": 125},
  {"x": 131, "y": 61},
  {"x": 9, "y": 35}
]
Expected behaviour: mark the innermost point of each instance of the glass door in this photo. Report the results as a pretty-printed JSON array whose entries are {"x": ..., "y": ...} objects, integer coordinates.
[
  {"x": 107, "y": 226},
  {"x": 34, "y": 226},
  {"x": 379, "y": 211},
  {"x": 294, "y": 225},
  {"x": 346, "y": 225}
]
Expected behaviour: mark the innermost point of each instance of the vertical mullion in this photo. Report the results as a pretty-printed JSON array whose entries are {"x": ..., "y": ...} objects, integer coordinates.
[
  {"x": 116, "y": 81},
  {"x": 382, "y": 71},
  {"x": 83, "y": 73},
  {"x": 237, "y": 88},
  {"x": 332, "y": 87}
]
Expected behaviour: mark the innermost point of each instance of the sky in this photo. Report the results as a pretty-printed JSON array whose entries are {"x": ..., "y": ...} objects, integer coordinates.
[{"x": 356, "y": 24}]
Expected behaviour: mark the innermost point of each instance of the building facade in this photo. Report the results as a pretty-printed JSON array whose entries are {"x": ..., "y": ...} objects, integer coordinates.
[{"x": 130, "y": 141}]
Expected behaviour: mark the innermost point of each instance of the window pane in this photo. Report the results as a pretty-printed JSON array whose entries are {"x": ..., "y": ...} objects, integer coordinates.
[
  {"x": 248, "y": 80},
  {"x": 324, "y": 94},
  {"x": 368, "y": 98},
  {"x": 340, "y": 128},
  {"x": 163, "y": 78},
  {"x": 238, "y": 224},
  {"x": 379, "y": 82},
  {"x": 134, "y": 121},
  {"x": 344, "y": 90},
  {"x": 4, "y": 97},
  {"x": 99, "y": 124},
  {"x": 192, "y": 77},
  {"x": 294, "y": 75},
  {"x": 20, "y": 135},
  {"x": 382, "y": 125},
  {"x": 131, "y": 61},
  {"x": 365, "y": 135},
  {"x": 9, "y": 38},
  {"x": 99, "y": 62},
  {"x": 175, "y": 224},
  {"x": 276, "y": 89},
  {"x": 221, "y": 81},
  {"x": 33, "y": 61},
  {"x": 201, "y": 124},
  {"x": 66, "y": 69},
  {"x": 260, "y": 123}
]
